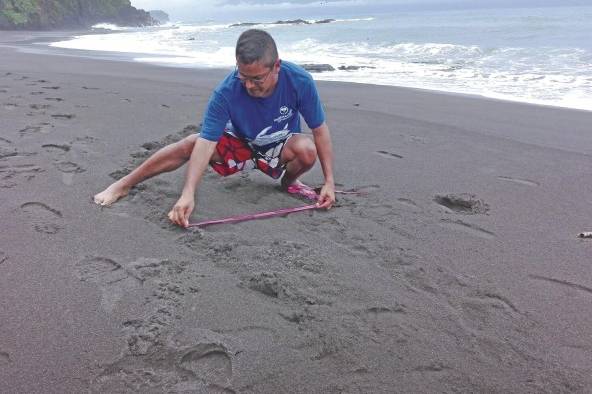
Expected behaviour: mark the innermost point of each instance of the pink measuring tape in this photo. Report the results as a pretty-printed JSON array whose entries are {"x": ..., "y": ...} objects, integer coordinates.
[
  {"x": 253, "y": 216},
  {"x": 266, "y": 214}
]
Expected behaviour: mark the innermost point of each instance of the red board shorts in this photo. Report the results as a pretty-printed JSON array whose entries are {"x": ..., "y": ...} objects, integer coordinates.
[{"x": 238, "y": 155}]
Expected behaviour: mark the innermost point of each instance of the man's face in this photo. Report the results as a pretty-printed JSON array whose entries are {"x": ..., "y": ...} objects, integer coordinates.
[{"x": 258, "y": 78}]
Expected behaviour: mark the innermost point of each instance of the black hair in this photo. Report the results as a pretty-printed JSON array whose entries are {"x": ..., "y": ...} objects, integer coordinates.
[{"x": 256, "y": 45}]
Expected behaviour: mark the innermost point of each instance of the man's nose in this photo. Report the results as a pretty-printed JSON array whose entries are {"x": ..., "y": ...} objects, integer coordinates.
[{"x": 249, "y": 84}]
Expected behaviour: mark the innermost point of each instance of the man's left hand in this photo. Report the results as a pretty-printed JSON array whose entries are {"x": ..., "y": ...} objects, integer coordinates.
[{"x": 327, "y": 196}]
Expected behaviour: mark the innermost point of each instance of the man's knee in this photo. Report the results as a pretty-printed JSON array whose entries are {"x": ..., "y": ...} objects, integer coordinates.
[
  {"x": 305, "y": 150},
  {"x": 186, "y": 145}
]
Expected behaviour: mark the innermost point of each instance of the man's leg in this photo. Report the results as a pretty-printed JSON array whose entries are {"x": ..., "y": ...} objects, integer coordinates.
[
  {"x": 166, "y": 159},
  {"x": 299, "y": 155}
]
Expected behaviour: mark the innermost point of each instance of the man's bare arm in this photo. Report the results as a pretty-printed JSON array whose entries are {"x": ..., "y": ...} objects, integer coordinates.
[
  {"x": 198, "y": 162},
  {"x": 322, "y": 140}
]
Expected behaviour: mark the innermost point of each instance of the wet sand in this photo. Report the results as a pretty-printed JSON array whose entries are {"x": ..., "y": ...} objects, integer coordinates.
[{"x": 460, "y": 270}]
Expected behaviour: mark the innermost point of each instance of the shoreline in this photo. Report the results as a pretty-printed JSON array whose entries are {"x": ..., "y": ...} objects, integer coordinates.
[
  {"x": 32, "y": 37},
  {"x": 460, "y": 270}
]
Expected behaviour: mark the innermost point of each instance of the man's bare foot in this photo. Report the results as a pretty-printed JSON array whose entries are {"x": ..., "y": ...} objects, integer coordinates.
[
  {"x": 111, "y": 194},
  {"x": 285, "y": 183},
  {"x": 300, "y": 189}
]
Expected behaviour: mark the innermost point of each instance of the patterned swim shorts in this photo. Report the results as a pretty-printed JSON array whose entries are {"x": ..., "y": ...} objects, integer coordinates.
[{"x": 238, "y": 155}]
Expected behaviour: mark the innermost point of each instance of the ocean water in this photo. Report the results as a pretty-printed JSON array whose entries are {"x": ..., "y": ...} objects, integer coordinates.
[{"x": 535, "y": 55}]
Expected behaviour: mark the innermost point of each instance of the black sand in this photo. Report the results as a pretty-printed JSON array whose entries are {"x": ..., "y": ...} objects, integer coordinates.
[{"x": 459, "y": 271}]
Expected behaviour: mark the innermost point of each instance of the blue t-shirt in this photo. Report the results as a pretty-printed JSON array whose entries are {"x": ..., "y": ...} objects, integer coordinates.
[{"x": 264, "y": 121}]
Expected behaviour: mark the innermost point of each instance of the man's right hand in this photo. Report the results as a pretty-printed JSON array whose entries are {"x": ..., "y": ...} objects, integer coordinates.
[{"x": 182, "y": 210}]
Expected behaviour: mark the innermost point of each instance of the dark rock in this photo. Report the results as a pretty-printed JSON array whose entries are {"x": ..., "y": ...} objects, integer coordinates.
[
  {"x": 317, "y": 68},
  {"x": 243, "y": 24},
  {"x": 280, "y": 22},
  {"x": 353, "y": 68},
  {"x": 292, "y": 22}
]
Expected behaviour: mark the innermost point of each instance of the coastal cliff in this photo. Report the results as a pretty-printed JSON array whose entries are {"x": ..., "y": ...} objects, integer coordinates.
[
  {"x": 159, "y": 15},
  {"x": 63, "y": 14}
]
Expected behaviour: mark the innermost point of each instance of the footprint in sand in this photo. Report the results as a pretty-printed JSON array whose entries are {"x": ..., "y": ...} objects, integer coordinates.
[
  {"x": 61, "y": 162},
  {"x": 162, "y": 309},
  {"x": 519, "y": 181},
  {"x": 43, "y": 128},
  {"x": 3, "y": 257},
  {"x": 43, "y": 218},
  {"x": 434, "y": 366},
  {"x": 10, "y": 106},
  {"x": 36, "y": 93},
  {"x": 301, "y": 287},
  {"x": 6, "y": 148},
  {"x": 69, "y": 167},
  {"x": 39, "y": 107},
  {"x": 9, "y": 173},
  {"x": 84, "y": 144},
  {"x": 111, "y": 277},
  {"x": 389, "y": 155},
  {"x": 164, "y": 295},
  {"x": 51, "y": 87},
  {"x": 386, "y": 316},
  {"x": 203, "y": 368},
  {"x": 266, "y": 283},
  {"x": 63, "y": 116},
  {"x": 209, "y": 362},
  {"x": 414, "y": 139},
  {"x": 464, "y": 203},
  {"x": 12, "y": 170},
  {"x": 56, "y": 147},
  {"x": 58, "y": 99},
  {"x": 5, "y": 358},
  {"x": 100, "y": 270}
]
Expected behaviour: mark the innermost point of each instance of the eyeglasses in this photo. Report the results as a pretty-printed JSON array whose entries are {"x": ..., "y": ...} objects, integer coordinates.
[{"x": 259, "y": 80}]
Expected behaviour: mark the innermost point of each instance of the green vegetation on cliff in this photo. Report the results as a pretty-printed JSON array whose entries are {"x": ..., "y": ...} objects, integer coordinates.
[{"x": 56, "y": 14}]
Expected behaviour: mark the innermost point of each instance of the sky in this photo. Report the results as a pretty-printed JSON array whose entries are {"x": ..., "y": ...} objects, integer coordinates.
[{"x": 267, "y": 10}]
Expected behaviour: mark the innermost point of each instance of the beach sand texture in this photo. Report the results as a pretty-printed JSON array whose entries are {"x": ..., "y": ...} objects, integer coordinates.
[{"x": 459, "y": 271}]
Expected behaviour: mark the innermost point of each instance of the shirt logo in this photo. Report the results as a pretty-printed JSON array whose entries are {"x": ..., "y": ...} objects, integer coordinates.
[{"x": 285, "y": 114}]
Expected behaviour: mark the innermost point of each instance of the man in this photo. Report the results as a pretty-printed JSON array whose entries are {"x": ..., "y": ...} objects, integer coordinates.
[{"x": 252, "y": 119}]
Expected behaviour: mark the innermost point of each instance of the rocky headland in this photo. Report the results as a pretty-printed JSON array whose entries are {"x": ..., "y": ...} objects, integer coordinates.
[
  {"x": 65, "y": 14},
  {"x": 159, "y": 15}
]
